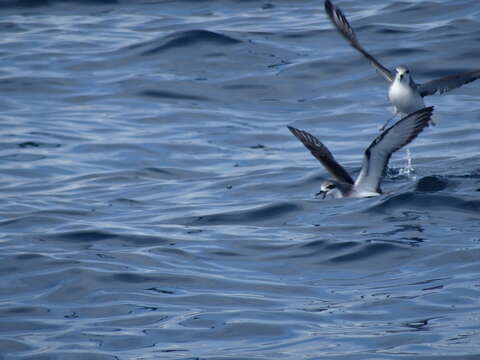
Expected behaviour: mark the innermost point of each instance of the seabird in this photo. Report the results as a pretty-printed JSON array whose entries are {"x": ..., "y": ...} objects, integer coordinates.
[
  {"x": 375, "y": 158},
  {"x": 404, "y": 94}
]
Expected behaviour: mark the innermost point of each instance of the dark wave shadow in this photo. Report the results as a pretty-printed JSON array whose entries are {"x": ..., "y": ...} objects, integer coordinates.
[
  {"x": 243, "y": 217},
  {"x": 331, "y": 252},
  {"x": 172, "y": 95},
  {"x": 427, "y": 201},
  {"x": 94, "y": 236},
  {"x": 432, "y": 184},
  {"x": 182, "y": 39}
]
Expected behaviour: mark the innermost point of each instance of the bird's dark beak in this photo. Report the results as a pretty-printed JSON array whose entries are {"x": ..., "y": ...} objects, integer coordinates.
[
  {"x": 401, "y": 76},
  {"x": 323, "y": 193}
]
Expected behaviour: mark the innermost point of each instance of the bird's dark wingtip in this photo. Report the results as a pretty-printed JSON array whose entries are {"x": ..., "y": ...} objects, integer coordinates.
[
  {"x": 292, "y": 129},
  {"x": 429, "y": 110},
  {"x": 328, "y": 6},
  {"x": 426, "y": 110}
]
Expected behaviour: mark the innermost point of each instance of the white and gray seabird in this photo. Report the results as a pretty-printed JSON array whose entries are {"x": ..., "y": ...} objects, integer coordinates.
[
  {"x": 375, "y": 158},
  {"x": 404, "y": 94}
]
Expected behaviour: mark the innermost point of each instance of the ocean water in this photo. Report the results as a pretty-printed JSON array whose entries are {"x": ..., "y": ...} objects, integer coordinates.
[{"x": 155, "y": 206}]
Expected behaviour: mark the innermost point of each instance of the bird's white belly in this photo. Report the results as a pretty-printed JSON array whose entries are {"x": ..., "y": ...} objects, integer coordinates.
[
  {"x": 354, "y": 193},
  {"x": 362, "y": 194},
  {"x": 337, "y": 194},
  {"x": 405, "y": 99}
]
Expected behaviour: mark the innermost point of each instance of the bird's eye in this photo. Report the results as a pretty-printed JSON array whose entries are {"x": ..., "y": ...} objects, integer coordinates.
[
  {"x": 406, "y": 72},
  {"x": 330, "y": 186}
]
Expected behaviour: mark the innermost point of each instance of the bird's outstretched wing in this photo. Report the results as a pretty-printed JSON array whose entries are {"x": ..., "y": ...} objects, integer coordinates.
[
  {"x": 378, "y": 154},
  {"x": 342, "y": 25},
  {"x": 323, "y": 155},
  {"x": 448, "y": 83}
]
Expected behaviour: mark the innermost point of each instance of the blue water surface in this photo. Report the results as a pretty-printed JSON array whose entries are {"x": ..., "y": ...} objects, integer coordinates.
[{"x": 155, "y": 206}]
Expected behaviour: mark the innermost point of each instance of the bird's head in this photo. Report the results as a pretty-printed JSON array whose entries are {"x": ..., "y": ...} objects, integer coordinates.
[
  {"x": 328, "y": 187},
  {"x": 402, "y": 74}
]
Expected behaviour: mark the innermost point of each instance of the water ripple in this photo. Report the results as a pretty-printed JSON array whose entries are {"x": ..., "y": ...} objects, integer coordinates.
[{"x": 154, "y": 204}]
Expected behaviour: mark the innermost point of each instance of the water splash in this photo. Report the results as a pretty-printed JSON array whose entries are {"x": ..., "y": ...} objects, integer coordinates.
[{"x": 408, "y": 170}]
